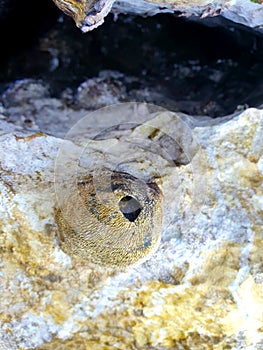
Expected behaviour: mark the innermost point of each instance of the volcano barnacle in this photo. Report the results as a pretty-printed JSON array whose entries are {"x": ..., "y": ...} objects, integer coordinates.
[{"x": 115, "y": 224}]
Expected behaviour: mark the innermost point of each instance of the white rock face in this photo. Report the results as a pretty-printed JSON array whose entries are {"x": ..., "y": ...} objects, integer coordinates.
[
  {"x": 90, "y": 14},
  {"x": 244, "y": 12},
  {"x": 203, "y": 286}
]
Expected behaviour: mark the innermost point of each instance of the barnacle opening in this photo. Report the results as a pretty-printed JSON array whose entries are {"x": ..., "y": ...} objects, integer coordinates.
[{"x": 130, "y": 208}]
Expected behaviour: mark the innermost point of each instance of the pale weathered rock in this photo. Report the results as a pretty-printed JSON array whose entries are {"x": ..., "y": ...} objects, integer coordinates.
[
  {"x": 89, "y": 14},
  {"x": 203, "y": 287},
  {"x": 246, "y": 12}
]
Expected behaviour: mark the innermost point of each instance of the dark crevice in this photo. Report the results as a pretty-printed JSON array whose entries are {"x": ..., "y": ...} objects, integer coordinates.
[{"x": 173, "y": 62}]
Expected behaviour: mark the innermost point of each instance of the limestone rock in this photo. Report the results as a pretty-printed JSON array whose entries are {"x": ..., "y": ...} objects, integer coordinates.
[
  {"x": 89, "y": 14},
  {"x": 203, "y": 288},
  {"x": 246, "y": 12}
]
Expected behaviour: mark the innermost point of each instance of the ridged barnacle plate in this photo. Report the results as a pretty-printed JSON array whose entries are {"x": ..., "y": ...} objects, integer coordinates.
[{"x": 120, "y": 227}]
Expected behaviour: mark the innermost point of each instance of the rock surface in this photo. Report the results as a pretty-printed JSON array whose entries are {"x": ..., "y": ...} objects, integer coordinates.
[
  {"x": 246, "y": 12},
  {"x": 203, "y": 287},
  {"x": 89, "y": 14}
]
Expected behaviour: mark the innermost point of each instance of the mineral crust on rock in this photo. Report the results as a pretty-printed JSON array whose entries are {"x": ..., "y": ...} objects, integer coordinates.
[{"x": 202, "y": 289}]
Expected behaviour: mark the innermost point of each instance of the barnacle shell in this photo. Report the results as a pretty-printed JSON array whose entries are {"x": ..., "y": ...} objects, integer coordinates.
[
  {"x": 119, "y": 228},
  {"x": 88, "y": 14}
]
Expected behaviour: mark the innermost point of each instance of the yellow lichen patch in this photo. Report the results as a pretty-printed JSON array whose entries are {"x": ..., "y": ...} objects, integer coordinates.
[
  {"x": 30, "y": 137},
  {"x": 29, "y": 246},
  {"x": 24, "y": 237},
  {"x": 250, "y": 301},
  {"x": 236, "y": 170},
  {"x": 58, "y": 307},
  {"x": 256, "y": 258},
  {"x": 170, "y": 314},
  {"x": 80, "y": 343},
  {"x": 108, "y": 331},
  {"x": 242, "y": 137},
  {"x": 221, "y": 266},
  {"x": 16, "y": 292},
  {"x": 250, "y": 175}
]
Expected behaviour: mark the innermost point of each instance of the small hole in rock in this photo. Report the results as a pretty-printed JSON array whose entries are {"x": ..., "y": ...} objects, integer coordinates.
[
  {"x": 130, "y": 208},
  {"x": 28, "y": 122}
]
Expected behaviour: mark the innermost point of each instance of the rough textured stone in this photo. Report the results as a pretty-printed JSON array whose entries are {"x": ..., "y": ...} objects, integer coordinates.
[
  {"x": 89, "y": 14},
  {"x": 203, "y": 287},
  {"x": 240, "y": 11}
]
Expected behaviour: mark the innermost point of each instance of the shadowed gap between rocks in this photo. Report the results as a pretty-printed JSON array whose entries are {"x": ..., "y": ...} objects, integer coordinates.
[{"x": 169, "y": 61}]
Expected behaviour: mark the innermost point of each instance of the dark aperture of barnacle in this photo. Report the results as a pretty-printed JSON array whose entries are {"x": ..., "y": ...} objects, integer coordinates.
[{"x": 130, "y": 208}]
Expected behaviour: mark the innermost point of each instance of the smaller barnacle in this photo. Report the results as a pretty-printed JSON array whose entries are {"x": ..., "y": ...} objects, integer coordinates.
[
  {"x": 87, "y": 14},
  {"x": 119, "y": 228}
]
